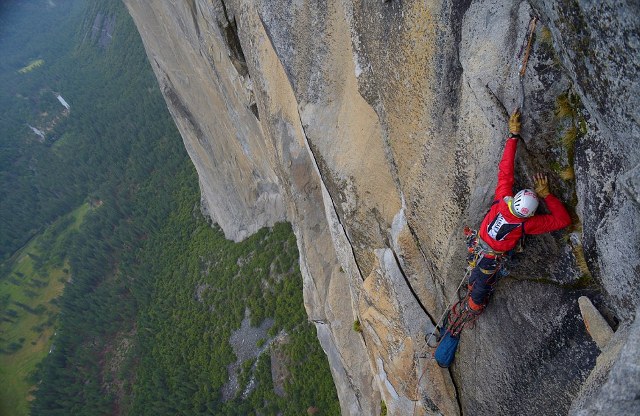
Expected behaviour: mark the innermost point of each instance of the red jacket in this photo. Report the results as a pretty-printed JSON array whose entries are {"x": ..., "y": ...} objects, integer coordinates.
[{"x": 500, "y": 229}]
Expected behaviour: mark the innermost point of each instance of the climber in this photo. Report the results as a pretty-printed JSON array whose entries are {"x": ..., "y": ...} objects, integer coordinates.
[
  {"x": 502, "y": 229},
  {"x": 508, "y": 219}
]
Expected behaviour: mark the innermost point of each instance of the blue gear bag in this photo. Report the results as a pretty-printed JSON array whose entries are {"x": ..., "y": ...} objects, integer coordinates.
[{"x": 446, "y": 351}]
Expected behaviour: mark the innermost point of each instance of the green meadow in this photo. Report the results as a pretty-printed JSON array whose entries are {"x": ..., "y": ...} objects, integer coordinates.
[{"x": 28, "y": 292}]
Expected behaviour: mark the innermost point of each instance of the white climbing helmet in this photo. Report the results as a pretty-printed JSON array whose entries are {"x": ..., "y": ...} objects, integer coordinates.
[{"x": 524, "y": 204}]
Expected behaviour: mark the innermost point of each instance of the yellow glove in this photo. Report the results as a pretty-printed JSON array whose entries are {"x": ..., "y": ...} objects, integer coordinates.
[
  {"x": 541, "y": 185},
  {"x": 514, "y": 122}
]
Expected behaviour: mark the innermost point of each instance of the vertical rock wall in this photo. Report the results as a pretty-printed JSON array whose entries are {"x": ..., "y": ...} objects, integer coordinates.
[
  {"x": 202, "y": 73},
  {"x": 598, "y": 47},
  {"x": 375, "y": 128}
]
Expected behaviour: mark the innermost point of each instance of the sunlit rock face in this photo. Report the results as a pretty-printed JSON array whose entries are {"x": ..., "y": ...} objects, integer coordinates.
[{"x": 376, "y": 128}]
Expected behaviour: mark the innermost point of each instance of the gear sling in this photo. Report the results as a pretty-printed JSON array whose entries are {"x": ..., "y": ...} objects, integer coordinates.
[{"x": 484, "y": 270}]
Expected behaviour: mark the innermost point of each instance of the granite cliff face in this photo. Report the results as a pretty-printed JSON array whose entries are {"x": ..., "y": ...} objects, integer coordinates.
[{"x": 375, "y": 128}]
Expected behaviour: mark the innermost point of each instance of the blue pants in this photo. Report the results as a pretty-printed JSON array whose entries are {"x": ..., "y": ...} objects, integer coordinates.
[{"x": 483, "y": 279}]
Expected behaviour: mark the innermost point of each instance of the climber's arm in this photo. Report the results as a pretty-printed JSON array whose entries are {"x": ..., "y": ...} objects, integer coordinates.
[
  {"x": 505, "y": 168},
  {"x": 543, "y": 223}
]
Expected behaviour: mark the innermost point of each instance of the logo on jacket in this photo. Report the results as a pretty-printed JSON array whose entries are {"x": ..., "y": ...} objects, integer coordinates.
[{"x": 499, "y": 228}]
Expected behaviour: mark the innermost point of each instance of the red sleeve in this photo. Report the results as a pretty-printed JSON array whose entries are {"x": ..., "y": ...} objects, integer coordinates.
[
  {"x": 505, "y": 169},
  {"x": 544, "y": 223}
]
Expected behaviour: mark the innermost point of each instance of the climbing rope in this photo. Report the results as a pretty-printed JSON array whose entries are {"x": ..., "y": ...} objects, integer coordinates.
[
  {"x": 475, "y": 252},
  {"x": 526, "y": 46},
  {"x": 438, "y": 325},
  {"x": 525, "y": 52},
  {"x": 446, "y": 310}
]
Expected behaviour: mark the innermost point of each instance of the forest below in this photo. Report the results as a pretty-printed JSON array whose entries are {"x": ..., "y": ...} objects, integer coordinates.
[{"x": 117, "y": 296}]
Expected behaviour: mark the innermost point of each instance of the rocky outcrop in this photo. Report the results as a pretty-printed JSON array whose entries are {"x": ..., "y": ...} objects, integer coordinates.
[
  {"x": 612, "y": 387},
  {"x": 375, "y": 128},
  {"x": 594, "y": 323}
]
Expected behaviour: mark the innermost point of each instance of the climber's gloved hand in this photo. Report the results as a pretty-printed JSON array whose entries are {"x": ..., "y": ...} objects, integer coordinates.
[
  {"x": 541, "y": 185},
  {"x": 514, "y": 123}
]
